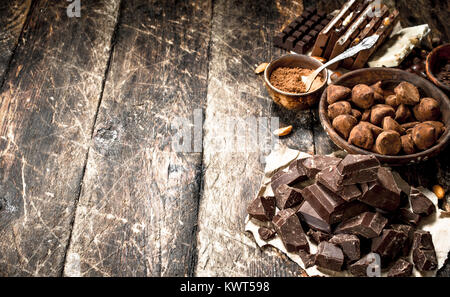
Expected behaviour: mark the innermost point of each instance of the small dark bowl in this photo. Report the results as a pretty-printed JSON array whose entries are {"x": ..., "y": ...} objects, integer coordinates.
[
  {"x": 294, "y": 101},
  {"x": 434, "y": 61},
  {"x": 390, "y": 78}
]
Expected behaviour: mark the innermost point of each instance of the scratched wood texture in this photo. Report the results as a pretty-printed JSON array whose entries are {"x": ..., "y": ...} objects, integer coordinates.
[
  {"x": 91, "y": 184},
  {"x": 241, "y": 38},
  {"x": 137, "y": 212},
  {"x": 12, "y": 17},
  {"x": 48, "y": 105}
]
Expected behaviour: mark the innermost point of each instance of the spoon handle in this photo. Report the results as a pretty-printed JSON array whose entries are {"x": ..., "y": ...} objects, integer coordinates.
[{"x": 365, "y": 44}]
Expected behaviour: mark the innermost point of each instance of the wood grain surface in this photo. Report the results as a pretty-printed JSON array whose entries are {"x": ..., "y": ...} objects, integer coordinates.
[
  {"x": 48, "y": 104},
  {"x": 91, "y": 182},
  {"x": 232, "y": 178},
  {"x": 12, "y": 18},
  {"x": 137, "y": 213}
]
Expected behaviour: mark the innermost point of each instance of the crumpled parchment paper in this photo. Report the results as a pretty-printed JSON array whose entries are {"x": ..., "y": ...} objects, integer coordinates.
[{"x": 438, "y": 224}]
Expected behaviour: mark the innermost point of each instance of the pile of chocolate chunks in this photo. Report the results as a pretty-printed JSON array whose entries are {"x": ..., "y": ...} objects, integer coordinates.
[{"x": 353, "y": 209}]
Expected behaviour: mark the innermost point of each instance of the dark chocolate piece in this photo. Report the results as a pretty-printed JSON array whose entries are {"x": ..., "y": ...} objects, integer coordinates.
[
  {"x": 353, "y": 163},
  {"x": 317, "y": 163},
  {"x": 329, "y": 256},
  {"x": 298, "y": 165},
  {"x": 424, "y": 255},
  {"x": 262, "y": 208},
  {"x": 384, "y": 193},
  {"x": 307, "y": 258},
  {"x": 317, "y": 236},
  {"x": 351, "y": 210},
  {"x": 360, "y": 177},
  {"x": 290, "y": 177},
  {"x": 266, "y": 233},
  {"x": 350, "y": 193},
  {"x": 301, "y": 32},
  {"x": 330, "y": 178},
  {"x": 420, "y": 204},
  {"x": 367, "y": 224},
  {"x": 325, "y": 203},
  {"x": 389, "y": 245},
  {"x": 349, "y": 244},
  {"x": 360, "y": 267},
  {"x": 287, "y": 197},
  {"x": 312, "y": 218},
  {"x": 288, "y": 226},
  {"x": 401, "y": 268},
  {"x": 407, "y": 217},
  {"x": 409, "y": 233}
]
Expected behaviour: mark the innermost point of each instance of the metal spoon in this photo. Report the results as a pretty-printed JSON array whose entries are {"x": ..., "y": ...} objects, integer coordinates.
[{"x": 363, "y": 45}]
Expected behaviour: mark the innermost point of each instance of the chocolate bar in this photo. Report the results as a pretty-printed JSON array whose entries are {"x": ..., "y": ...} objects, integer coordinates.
[
  {"x": 401, "y": 268},
  {"x": 368, "y": 31},
  {"x": 325, "y": 203},
  {"x": 288, "y": 226},
  {"x": 262, "y": 208},
  {"x": 420, "y": 204},
  {"x": 287, "y": 197},
  {"x": 388, "y": 245},
  {"x": 424, "y": 255},
  {"x": 330, "y": 34},
  {"x": 384, "y": 31},
  {"x": 349, "y": 244},
  {"x": 367, "y": 225},
  {"x": 383, "y": 193},
  {"x": 300, "y": 34},
  {"x": 344, "y": 41},
  {"x": 329, "y": 256}
]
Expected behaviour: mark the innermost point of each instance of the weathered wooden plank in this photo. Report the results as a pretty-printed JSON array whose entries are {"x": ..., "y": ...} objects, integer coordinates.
[
  {"x": 241, "y": 38},
  {"x": 12, "y": 17},
  {"x": 137, "y": 213},
  {"x": 47, "y": 110}
]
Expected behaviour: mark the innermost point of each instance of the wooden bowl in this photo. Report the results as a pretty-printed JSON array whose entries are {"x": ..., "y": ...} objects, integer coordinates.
[
  {"x": 294, "y": 101},
  {"x": 434, "y": 60},
  {"x": 390, "y": 78}
]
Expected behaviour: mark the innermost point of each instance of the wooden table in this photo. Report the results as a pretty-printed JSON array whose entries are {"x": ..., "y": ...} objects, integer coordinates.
[{"x": 90, "y": 184}]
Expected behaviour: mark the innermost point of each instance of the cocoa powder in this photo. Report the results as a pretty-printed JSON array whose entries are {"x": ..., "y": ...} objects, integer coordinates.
[{"x": 289, "y": 79}]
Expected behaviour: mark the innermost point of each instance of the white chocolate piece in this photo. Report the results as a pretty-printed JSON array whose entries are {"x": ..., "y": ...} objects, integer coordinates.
[{"x": 399, "y": 46}]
